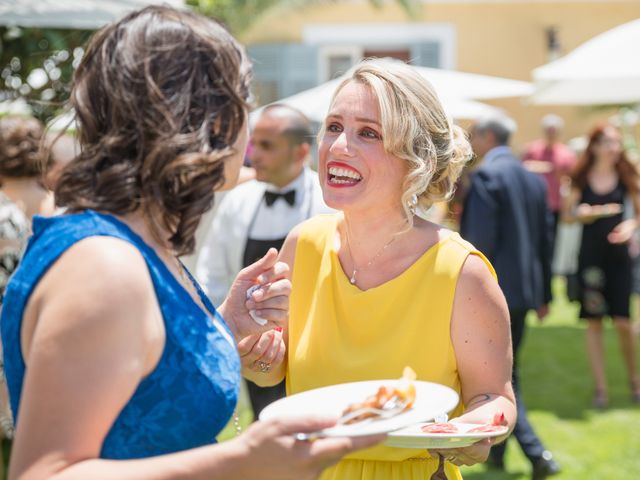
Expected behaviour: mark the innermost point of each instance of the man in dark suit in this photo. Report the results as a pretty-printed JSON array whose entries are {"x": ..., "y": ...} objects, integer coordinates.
[{"x": 506, "y": 217}]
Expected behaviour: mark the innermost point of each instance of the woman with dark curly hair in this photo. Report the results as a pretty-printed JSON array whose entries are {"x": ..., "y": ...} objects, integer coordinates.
[
  {"x": 603, "y": 178},
  {"x": 117, "y": 364},
  {"x": 22, "y": 194}
]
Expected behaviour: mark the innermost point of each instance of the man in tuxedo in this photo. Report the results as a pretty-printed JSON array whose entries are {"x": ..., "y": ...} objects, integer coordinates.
[
  {"x": 258, "y": 215},
  {"x": 506, "y": 217}
]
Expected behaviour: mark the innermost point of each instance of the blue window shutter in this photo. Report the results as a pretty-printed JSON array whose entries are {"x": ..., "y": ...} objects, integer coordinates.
[
  {"x": 267, "y": 61},
  {"x": 299, "y": 69},
  {"x": 426, "y": 54},
  {"x": 291, "y": 67}
]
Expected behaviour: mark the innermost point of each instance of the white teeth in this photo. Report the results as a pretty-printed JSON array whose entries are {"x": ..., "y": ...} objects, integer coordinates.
[{"x": 341, "y": 172}]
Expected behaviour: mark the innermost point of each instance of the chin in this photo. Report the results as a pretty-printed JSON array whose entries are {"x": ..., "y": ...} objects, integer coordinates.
[{"x": 337, "y": 202}]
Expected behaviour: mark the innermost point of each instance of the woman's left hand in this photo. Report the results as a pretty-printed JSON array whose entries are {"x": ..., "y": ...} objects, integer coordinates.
[
  {"x": 476, "y": 453},
  {"x": 262, "y": 357}
]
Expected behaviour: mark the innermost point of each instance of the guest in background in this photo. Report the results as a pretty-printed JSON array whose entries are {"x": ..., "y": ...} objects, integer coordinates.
[
  {"x": 602, "y": 180},
  {"x": 506, "y": 217},
  {"x": 553, "y": 160}
]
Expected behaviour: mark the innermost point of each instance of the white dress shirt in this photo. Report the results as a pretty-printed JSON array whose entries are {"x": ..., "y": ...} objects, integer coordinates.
[{"x": 243, "y": 214}]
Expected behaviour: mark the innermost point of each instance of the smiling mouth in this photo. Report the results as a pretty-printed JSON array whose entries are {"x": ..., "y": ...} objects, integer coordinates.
[{"x": 343, "y": 176}]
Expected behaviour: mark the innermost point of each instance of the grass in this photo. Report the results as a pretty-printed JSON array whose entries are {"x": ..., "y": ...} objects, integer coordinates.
[{"x": 557, "y": 387}]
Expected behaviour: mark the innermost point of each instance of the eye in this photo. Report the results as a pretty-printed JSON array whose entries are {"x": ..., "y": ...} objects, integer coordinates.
[
  {"x": 370, "y": 133},
  {"x": 334, "y": 127}
]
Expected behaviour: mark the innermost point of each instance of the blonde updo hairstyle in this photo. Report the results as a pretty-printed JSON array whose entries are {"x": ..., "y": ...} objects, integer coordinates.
[{"x": 416, "y": 129}]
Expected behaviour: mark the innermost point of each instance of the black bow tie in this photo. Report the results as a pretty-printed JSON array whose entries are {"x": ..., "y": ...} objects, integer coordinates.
[{"x": 271, "y": 197}]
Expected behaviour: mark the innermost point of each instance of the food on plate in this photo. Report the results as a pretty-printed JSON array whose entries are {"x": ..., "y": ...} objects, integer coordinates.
[
  {"x": 498, "y": 424},
  {"x": 487, "y": 429},
  {"x": 440, "y": 428},
  {"x": 584, "y": 210},
  {"x": 387, "y": 401}
]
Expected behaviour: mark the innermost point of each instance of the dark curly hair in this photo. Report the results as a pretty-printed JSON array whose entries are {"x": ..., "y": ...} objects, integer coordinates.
[
  {"x": 160, "y": 97},
  {"x": 20, "y": 152}
]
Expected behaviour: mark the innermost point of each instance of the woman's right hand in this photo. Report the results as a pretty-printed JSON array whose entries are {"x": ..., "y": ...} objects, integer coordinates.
[
  {"x": 274, "y": 453},
  {"x": 270, "y": 301}
]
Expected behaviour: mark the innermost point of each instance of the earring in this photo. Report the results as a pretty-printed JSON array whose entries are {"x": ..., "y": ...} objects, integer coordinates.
[{"x": 412, "y": 204}]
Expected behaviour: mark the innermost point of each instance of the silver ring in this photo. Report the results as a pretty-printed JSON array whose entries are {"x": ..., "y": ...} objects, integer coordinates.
[{"x": 263, "y": 367}]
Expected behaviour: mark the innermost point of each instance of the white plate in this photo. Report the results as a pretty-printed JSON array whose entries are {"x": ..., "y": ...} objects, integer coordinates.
[
  {"x": 431, "y": 399},
  {"x": 414, "y": 437}
]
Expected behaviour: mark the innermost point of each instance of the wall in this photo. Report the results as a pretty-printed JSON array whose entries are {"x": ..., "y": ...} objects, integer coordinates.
[{"x": 503, "y": 38}]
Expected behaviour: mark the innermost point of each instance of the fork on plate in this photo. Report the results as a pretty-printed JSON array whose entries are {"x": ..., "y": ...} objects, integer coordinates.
[{"x": 390, "y": 408}]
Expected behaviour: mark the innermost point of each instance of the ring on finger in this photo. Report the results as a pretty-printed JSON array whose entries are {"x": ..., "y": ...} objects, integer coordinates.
[{"x": 262, "y": 366}]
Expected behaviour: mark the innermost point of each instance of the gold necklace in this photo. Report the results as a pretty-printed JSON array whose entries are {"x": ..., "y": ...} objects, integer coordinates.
[{"x": 353, "y": 279}]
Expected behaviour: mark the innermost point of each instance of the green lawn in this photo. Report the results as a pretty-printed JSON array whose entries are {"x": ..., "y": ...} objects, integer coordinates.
[
  {"x": 589, "y": 444},
  {"x": 557, "y": 388}
]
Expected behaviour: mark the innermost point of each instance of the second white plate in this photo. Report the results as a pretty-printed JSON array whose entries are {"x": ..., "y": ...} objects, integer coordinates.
[{"x": 414, "y": 437}]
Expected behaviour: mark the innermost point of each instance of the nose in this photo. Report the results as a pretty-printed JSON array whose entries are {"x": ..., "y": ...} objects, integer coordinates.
[{"x": 341, "y": 146}]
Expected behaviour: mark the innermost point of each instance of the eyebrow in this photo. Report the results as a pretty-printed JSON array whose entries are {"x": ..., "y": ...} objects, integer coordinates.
[{"x": 359, "y": 119}]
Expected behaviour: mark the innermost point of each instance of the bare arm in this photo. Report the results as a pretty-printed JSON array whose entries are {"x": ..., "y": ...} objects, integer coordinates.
[{"x": 481, "y": 338}]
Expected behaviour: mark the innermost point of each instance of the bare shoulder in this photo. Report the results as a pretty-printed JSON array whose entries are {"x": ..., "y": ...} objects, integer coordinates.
[
  {"x": 106, "y": 264},
  {"x": 288, "y": 250},
  {"x": 319, "y": 222},
  {"x": 100, "y": 286},
  {"x": 475, "y": 273}
]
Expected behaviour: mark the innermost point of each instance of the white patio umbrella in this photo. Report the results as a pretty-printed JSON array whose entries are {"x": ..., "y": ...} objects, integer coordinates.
[
  {"x": 457, "y": 91},
  {"x": 80, "y": 14},
  {"x": 602, "y": 71}
]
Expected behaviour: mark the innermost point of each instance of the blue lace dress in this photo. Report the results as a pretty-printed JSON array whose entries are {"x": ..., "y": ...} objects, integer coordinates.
[{"x": 191, "y": 394}]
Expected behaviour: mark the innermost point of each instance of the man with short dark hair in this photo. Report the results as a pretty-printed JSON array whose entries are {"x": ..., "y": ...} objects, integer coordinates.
[
  {"x": 506, "y": 217},
  {"x": 258, "y": 215},
  {"x": 552, "y": 159}
]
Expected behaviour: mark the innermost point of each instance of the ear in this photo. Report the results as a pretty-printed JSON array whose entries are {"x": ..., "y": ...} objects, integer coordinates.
[{"x": 302, "y": 151}]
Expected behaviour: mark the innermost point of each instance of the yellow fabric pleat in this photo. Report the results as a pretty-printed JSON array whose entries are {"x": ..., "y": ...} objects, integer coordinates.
[{"x": 339, "y": 333}]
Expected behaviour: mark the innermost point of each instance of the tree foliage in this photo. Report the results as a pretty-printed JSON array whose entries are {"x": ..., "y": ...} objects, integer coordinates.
[
  {"x": 238, "y": 15},
  {"x": 37, "y": 65}
]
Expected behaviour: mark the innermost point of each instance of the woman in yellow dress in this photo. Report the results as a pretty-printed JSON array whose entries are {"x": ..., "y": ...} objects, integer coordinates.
[{"x": 376, "y": 287}]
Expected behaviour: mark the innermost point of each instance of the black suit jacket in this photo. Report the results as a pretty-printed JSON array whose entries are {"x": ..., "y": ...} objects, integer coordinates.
[{"x": 506, "y": 217}]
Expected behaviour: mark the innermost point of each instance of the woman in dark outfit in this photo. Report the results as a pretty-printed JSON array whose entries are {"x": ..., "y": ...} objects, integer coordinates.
[{"x": 600, "y": 183}]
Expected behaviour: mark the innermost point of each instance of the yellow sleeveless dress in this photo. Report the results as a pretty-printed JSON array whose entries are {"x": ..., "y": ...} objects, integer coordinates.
[{"x": 339, "y": 333}]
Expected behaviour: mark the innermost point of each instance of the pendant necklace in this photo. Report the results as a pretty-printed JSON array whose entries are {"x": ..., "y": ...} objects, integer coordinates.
[{"x": 353, "y": 278}]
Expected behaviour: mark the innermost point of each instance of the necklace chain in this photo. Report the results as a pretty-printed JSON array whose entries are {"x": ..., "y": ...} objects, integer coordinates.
[{"x": 353, "y": 279}]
